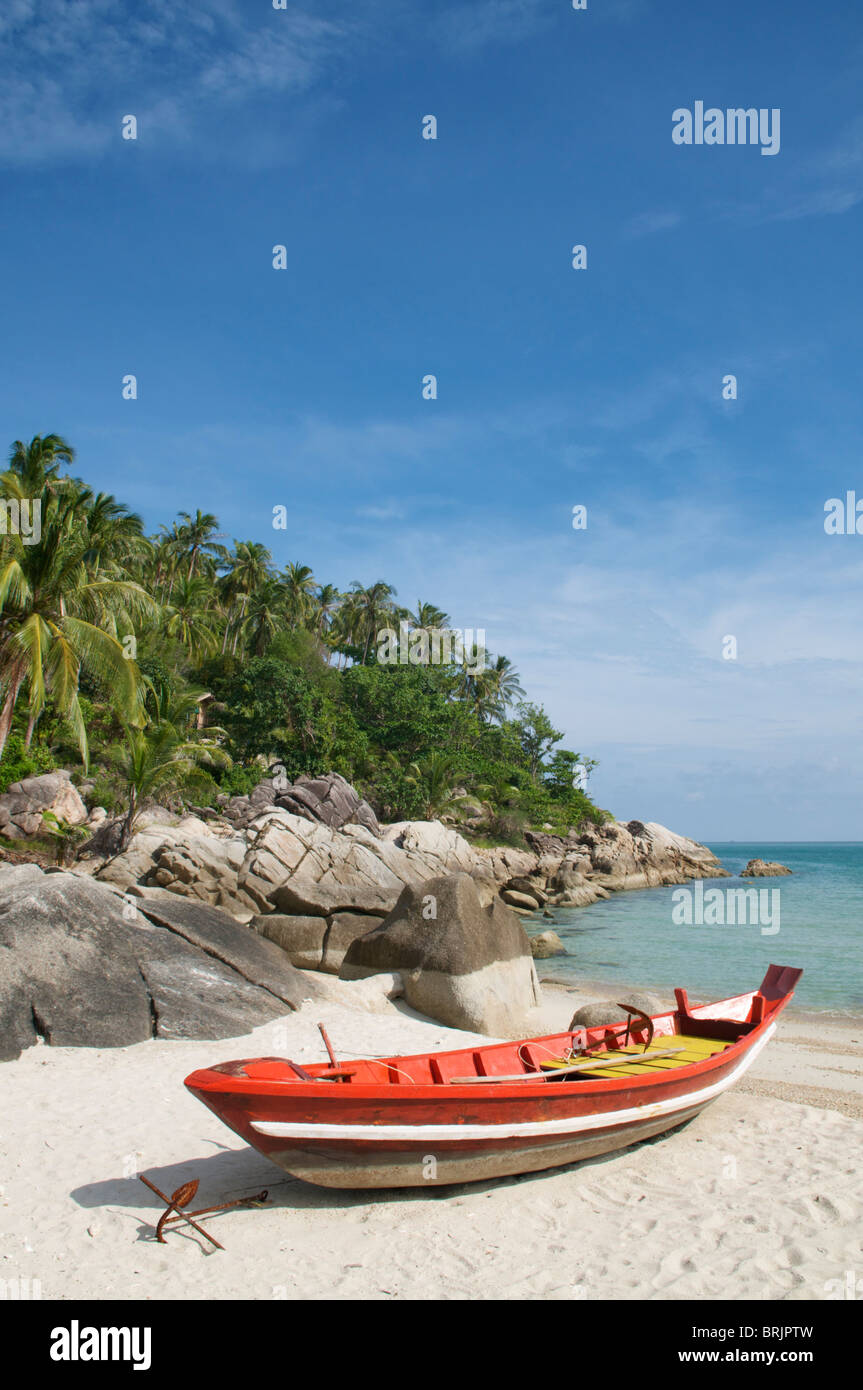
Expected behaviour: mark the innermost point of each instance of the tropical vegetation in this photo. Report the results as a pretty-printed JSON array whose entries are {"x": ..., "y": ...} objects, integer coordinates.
[{"x": 178, "y": 667}]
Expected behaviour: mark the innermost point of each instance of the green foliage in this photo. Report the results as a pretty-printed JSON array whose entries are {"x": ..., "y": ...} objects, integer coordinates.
[
  {"x": 292, "y": 665},
  {"x": 18, "y": 762}
]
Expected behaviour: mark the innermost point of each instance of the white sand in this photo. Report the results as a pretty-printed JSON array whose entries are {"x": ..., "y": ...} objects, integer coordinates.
[{"x": 758, "y": 1198}]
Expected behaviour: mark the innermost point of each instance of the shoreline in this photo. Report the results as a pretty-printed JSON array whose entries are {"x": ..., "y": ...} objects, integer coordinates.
[
  {"x": 604, "y": 989},
  {"x": 772, "y": 1156}
]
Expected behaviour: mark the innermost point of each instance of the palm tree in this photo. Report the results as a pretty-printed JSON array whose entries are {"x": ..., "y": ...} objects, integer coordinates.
[
  {"x": 190, "y": 616},
  {"x": 250, "y": 566},
  {"x": 265, "y": 611},
  {"x": 57, "y": 615},
  {"x": 504, "y": 684},
  {"x": 160, "y": 756},
  {"x": 299, "y": 585},
  {"x": 434, "y": 777},
  {"x": 428, "y": 616},
  {"x": 38, "y": 463},
  {"x": 199, "y": 535},
  {"x": 371, "y": 608}
]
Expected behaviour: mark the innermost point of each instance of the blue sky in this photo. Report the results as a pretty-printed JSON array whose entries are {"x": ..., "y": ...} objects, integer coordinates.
[{"x": 557, "y": 387}]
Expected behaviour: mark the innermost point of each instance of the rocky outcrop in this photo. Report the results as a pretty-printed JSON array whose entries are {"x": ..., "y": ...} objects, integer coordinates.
[
  {"x": 23, "y": 805},
  {"x": 764, "y": 868},
  {"x": 81, "y": 967},
  {"x": 466, "y": 965},
  {"x": 190, "y": 858},
  {"x": 615, "y": 857},
  {"x": 329, "y": 800}
]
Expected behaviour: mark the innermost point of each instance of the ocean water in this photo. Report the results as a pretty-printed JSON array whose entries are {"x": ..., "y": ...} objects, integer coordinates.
[{"x": 633, "y": 937}]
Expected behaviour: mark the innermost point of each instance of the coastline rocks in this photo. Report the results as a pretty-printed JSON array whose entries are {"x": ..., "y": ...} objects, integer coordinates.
[
  {"x": 189, "y": 859},
  {"x": 520, "y": 902},
  {"x": 645, "y": 855},
  {"x": 315, "y": 943},
  {"x": 468, "y": 966},
  {"x": 302, "y": 868},
  {"x": 81, "y": 967},
  {"x": 328, "y": 800},
  {"x": 23, "y": 804},
  {"x": 764, "y": 868}
]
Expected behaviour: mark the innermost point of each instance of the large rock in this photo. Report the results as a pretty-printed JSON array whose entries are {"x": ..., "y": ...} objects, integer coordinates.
[
  {"x": 255, "y": 959},
  {"x": 644, "y": 855},
  {"x": 188, "y": 857},
  {"x": 329, "y": 800},
  {"x": 23, "y": 804},
  {"x": 438, "y": 847},
  {"x": 315, "y": 943},
  {"x": 764, "y": 868},
  {"x": 81, "y": 967},
  {"x": 303, "y": 868},
  {"x": 545, "y": 945},
  {"x": 301, "y": 938},
  {"x": 609, "y": 1011},
  {"x": 468, "y": 966}
]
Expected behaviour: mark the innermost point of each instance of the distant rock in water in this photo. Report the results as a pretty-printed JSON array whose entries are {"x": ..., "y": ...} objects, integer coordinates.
[
  {"x": 764, "y": 868},
  {"x": 546, "y": 945}
]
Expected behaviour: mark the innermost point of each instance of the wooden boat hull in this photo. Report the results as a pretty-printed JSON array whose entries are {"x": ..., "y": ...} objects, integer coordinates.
[
  {"x": 337, "y": 1165},
  {"x": 400, "y": 1132}
]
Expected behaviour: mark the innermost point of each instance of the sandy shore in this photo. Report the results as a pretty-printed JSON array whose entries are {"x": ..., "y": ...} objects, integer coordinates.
[{"x": 760, "y": 1197}]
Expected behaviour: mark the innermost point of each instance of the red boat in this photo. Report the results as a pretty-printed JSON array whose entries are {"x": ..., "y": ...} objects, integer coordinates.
[{"x": 490, "y": 1112}]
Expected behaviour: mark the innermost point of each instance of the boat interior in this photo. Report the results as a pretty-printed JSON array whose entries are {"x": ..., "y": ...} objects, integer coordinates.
[{"x": 640, "y": 1046}]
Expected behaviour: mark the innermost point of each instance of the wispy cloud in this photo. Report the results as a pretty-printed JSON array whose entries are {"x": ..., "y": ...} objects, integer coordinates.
[
  {"x": 827, "y": 184},
  {"x": 71, "y": 70},
  {"x": 646, "y": 223},
  {"x": 468, "y": 27}
]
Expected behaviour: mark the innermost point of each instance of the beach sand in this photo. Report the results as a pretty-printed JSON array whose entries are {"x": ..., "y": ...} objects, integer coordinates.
[{"x": 760, "y": 1197}]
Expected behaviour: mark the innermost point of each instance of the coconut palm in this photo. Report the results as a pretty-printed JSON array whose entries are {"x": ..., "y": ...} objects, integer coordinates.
[
  {"x": 190, "y": 616},
  {"x": 250, "y": 567},
  {"x": 199, "y": 536},
  {"x": 39, "y": 462},
  {"x": 435, "y": 777},
  {"x": 57, "y": 616},
  {"x": 264, "y": 614},
  {"x": 371, "y": 609},
  {"x": 160, "y": 756},
  {"x": 428, "y": 616},
  {"x": 299, "y": 586}
]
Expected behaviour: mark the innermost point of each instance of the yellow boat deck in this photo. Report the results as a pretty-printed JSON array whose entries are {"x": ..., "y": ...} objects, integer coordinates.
[{"x": 690, "y": 1050}]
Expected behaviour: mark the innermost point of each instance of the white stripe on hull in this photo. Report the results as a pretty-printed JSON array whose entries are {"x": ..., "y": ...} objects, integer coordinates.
[
  {"x": 574, "y": 1124},
  {"x": 373, "y": 1167}
]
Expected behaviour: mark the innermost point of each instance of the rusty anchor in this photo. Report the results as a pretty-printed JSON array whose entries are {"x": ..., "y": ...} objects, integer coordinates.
[{"x": 177, "y": 1202}]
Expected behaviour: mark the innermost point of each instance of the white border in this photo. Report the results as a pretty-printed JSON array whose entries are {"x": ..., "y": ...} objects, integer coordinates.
[{"x": 528, "y": 1129}]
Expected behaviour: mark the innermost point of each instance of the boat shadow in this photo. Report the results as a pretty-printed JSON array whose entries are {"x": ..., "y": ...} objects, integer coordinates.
[{"x": 230, "y": 1174}]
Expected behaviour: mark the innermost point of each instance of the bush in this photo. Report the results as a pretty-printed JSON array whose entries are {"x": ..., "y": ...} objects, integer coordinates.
[{"x": 18, "y": 762}]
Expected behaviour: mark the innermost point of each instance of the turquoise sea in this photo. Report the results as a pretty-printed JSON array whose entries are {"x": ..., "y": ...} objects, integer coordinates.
[{"x": 633, "y": 938}]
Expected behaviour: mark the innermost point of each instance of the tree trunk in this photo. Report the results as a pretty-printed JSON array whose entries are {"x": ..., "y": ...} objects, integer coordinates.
[
  {"x": 31, "y": 725},
  {"x": 9, "y": 708},
  {"x": 129, "y": 821}
]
